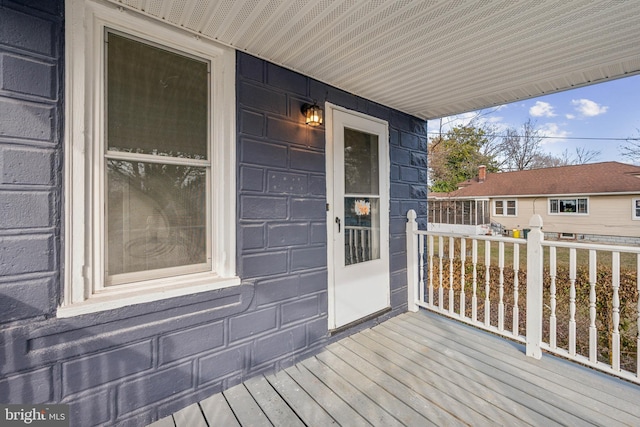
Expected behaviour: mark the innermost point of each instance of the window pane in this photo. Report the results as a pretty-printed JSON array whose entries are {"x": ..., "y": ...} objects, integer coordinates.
[
  {"x": 637, "y": 203},
  {"x": 361, "y": 229},
  {"x": 554, "y": 205},
  {"x": 582, "y": 206},
  {"x": 511, "y": 207},
  {"x": 156, "y": 216},
  {"x": 361, "y": 174},
  {"x": 499, "y": 209},
  {"x": 156, "y": 100},
  {"x": 568, "y": 205}
]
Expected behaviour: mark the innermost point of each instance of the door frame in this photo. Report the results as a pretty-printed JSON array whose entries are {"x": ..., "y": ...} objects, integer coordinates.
[{"x": 385, "y": 171}]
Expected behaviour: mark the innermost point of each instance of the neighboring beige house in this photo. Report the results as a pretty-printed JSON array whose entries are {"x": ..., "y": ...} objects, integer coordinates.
[{"x": 599, "y": 201}]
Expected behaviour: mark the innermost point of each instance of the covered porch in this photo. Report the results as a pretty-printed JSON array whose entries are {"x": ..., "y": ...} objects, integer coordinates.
[{"x": 422, "y": 369}]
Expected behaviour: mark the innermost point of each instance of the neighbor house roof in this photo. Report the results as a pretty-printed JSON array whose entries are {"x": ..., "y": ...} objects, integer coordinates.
[
  {"x": 594, "y": 178},
  {"x": 426, "y": 58}
]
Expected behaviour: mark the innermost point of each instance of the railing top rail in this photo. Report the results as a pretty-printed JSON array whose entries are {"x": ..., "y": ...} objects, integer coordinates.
[
  {"x": 547, "y": 243},
  {"x": 594, "y": 246},
  {"x": 472, "y": 236}
]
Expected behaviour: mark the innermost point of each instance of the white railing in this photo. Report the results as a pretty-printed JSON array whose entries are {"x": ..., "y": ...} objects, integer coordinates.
[
  {"x": 577, "y": 300},
  {"x": 358, "y": 244}
]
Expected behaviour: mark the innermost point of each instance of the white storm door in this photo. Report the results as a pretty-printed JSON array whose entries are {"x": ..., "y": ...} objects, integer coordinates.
[{"x": 358, "y": 217}]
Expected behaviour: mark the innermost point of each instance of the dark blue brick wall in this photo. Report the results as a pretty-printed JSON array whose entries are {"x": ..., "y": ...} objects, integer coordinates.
[
  {"x": 30, "y": 158},
  {"x": 133, "y": 365},
  {"x": 281, "y": 215}
]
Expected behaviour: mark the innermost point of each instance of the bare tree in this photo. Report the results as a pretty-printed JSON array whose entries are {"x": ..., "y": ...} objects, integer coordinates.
[
  {"x": 584, "y": 156},
  {"x": 522, "y": 148},
  {"x": 631, "y": 148}
]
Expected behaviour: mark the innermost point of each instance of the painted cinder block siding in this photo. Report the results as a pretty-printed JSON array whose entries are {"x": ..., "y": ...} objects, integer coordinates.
[{"x": 133, "y": 365}]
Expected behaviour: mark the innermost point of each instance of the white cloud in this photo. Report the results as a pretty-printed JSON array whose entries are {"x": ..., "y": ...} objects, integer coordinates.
[
  {"x": 542, "y": 109},
  {"x": 570, "y": 116},
  {"x": 588, "y": 108},
  {"x": 552, "y": 133}
]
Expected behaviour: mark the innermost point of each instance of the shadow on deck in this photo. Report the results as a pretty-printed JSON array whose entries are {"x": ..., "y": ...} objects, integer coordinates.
[{"x": 421, "y": 369}]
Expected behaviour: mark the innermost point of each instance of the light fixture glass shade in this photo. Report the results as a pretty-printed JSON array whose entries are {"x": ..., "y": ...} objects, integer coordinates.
[{"x": 313, "y": 114}]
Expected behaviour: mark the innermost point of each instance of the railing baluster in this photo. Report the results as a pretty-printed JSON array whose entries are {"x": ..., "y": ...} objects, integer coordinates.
[
  {"x": 451, "y": 256},
  {"x": 440, "y": 256},
  {"x": 572, "y": 301},
  {"x": 501, "y": 286},
  {"x": 615, "y": 336},
  {"x": 593, "y": 331},
  {"x": 516, "y": 310},
  {"x": 421, "y": 263},
  {"x": 351, "y": 259},
  {"x": 487, "y": 288},
  {"x": 463, "y": 257},
  {"x": 474, "y": 297},
  {"x": 431, "y": 271},
  {"x": 553, "y": 330},
  {"x": 365, "y": 252}
]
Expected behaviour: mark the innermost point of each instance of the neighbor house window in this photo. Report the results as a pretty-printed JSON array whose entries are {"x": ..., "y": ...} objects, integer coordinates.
[
  {"x": 145, "y": 223},
  {"x": 569, "y": 206},
  {"x": 504, "y": 208},
  {"x": 636, "y": 209}
]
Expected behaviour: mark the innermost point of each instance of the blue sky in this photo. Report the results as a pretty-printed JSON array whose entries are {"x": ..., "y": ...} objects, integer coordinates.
[{"x": 605, "y": 110}]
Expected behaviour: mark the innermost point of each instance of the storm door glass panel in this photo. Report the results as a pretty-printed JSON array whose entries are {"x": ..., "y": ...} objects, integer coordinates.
[
  {"x": 156, "y": 162},
  {"x": 362, "y": 197}
]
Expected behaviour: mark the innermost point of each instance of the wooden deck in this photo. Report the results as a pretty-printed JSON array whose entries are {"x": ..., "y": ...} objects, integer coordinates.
[{"x": 420, "y": 369}]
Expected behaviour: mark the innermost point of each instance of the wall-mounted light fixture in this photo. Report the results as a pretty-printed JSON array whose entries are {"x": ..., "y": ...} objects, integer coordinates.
[{"x": 312, "y": 113}]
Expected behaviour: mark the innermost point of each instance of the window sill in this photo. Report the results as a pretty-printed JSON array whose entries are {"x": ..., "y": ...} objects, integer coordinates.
[
  {"x": 116, "y": 298},
  {"x": 568, "y": 214}
]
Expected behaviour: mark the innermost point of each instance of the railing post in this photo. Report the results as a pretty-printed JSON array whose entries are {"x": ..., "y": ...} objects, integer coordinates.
[
  {"x": 412, "y": 261},
  {"x": 534, "y": 287}
]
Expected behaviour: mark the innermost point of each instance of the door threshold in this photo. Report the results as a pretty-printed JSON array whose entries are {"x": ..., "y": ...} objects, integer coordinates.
[{"x": 359, "y": 321}]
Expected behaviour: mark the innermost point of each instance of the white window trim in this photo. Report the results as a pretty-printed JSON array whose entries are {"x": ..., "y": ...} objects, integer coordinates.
[
  {"x": 505, "y": 203},
  {"x": 83, "y": 263},
  {"x": 634, "y": 217},
  {"x": 568, "y": 213}
]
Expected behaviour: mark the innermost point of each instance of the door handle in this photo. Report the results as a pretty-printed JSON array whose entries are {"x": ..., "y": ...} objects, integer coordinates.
[{"x": 338, "y": 222}]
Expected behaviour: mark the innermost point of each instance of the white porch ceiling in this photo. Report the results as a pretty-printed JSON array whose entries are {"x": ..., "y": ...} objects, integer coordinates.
[{"x": 427, "y": 58}]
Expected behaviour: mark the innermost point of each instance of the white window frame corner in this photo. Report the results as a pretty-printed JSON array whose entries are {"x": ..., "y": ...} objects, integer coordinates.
[
  {"x": 83, "y": 171},
  {"x": 634, "y": 217}
]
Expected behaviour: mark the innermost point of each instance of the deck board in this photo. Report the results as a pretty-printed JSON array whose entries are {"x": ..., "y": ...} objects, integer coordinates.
[
  {"x": 190, "y": 416},
  {"x": 469, "y": 391},
  {"x": 350, "y": 394},
  {"x": 274, "y": 406},
  {"x": 217, "y": 411},
  {"x": 561, "y": 389},
  {"x": 371, "y": 388},
  {"x": 244, "y": 406},
  {"x": 309, "y": 411},
  {"x": 423, "y": 369}
]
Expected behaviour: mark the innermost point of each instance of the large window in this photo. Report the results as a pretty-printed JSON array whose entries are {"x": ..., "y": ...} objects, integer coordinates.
[
  {"x": 156, "y": 161},
  {"x": 143, "y": 222},
  {"x": 504, "y": 208},
  {"x": 569, "y": 206}
]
